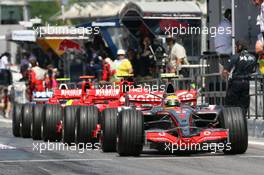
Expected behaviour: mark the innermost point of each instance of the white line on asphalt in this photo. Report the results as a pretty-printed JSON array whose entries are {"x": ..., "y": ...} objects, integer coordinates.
[
  {"x": 51, "y": 160},
  {"x": 46, "y": 170},
  {"x": 4, "y": 147},
  {"x": 251, "y": 156},
  {"x": 256, "y": 143},
  {"x": 5, "y": 120},
  {"x": 173, "y": 158},
  {"x": 199, "y": 157}
]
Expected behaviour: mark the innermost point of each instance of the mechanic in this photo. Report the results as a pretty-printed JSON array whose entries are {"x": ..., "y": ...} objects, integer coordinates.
[
  {"x": 223, "y": 41},
  {"x": 36, "y": 76},
  {"x": 107, "y": 65},
  {"x": 50, "y": 78},
  {"x": 122, "y": 65},
  {"x": 237, "y": 71}
]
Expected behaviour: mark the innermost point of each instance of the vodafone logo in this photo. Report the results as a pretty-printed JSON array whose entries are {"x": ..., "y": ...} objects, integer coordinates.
[{"x": 143, "y": 97}]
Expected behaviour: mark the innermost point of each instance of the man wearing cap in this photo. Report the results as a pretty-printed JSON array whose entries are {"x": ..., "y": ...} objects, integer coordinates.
[{"x": 122, "y": 65}]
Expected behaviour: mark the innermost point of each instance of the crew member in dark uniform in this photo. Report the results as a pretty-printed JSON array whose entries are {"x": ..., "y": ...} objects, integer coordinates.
[{"x": 238, "y": 71}]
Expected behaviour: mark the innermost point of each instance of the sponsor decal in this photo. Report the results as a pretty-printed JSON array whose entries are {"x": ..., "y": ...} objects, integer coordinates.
[
  {"x": 71, "y": 92},
  {"x": 44, "y": 94},
  {"x": 143, "y": 97},
  {"x": 107, "y": 92},
  {"x": 185, "y": 96}
]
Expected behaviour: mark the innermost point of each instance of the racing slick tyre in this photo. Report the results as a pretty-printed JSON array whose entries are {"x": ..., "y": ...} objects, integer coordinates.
[
  {"x": 68, "y": 131},
  {"x": 36, "y": 121},
  {"x": 130, "y": 133},
  {"x": 86, "y": 122},
  {"x": 109, "y": 129},
  {"x": 234, "y": 120},
  {"x": 26, "y": 120},
  {"x": 16, "y": 119},
  {"x": 51, "y": 121}
]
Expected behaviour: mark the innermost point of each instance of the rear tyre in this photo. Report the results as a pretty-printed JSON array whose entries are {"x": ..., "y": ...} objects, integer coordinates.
[
  {"x": 36, "y": 121},
  {"x": 52, "y": 117},
  {"x": 69, "y": 118},
  {"x": 234, "y": 120},
  {"x": 26, "y": 120},
  {"x": 130, "y": 135},
  {"x": 109, "y": 130},
  {"x": 16, "y": 119},
  {"x": 87, "y": 119}
]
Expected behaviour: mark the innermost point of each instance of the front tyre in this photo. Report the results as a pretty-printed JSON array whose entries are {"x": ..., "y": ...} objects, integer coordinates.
[
  {"x": 16, "y": 119},
  {"x": 69, "y": 117},
  {"x": 130, "y": 135},
  {"x": 52, "y": 117},
  {"x": 36, "y": 121},
  {"x": 109, "y": 130},
  {"x": 234, "y": 120},
  {"x": 87, "y": 119},
  {"x": 26, "y": 119}
]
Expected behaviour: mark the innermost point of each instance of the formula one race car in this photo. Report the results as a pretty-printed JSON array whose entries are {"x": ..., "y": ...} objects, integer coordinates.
[
  {"x": 64, "y": 109},
  {"x": 28, "y": 118},
  {"x": 176, "y": 123},
  {"x": 81, "y": 119}
]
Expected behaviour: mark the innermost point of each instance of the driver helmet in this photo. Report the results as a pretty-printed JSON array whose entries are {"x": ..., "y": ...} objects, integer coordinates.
[{"x": 172, "y": 101}]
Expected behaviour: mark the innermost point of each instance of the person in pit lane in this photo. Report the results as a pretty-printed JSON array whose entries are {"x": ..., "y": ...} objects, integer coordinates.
[
  {"x": 238, "y": 70},
  {"x": 122, "y": 65}
]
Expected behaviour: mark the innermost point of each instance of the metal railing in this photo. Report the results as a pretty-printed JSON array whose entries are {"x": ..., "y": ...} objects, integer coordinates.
[{"x": 207, "y": 77}]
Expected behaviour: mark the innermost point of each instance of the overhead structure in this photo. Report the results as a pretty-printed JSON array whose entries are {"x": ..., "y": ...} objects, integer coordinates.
[
  {"x": 152, "y": 10},
  {"x": 161, "y": 19},
  {"x": 101, "y": 9}
]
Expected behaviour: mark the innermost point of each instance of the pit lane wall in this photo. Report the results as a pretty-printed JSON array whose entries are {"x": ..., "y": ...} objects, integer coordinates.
[{"x": 256, "y": 112}]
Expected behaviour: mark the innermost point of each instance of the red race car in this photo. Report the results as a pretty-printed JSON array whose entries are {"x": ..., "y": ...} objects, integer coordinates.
[
  {"x": 28, "y": 119},
  {"x": 177, "y": 124}
]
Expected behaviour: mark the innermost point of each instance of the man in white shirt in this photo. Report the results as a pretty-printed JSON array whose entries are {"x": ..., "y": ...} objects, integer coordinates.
[
  {"x": 260, "y": 18},
  {"x": 223, "y": 41},
  {"x": 177, "y": 55},
  {"x": 4, "y": 63}
]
